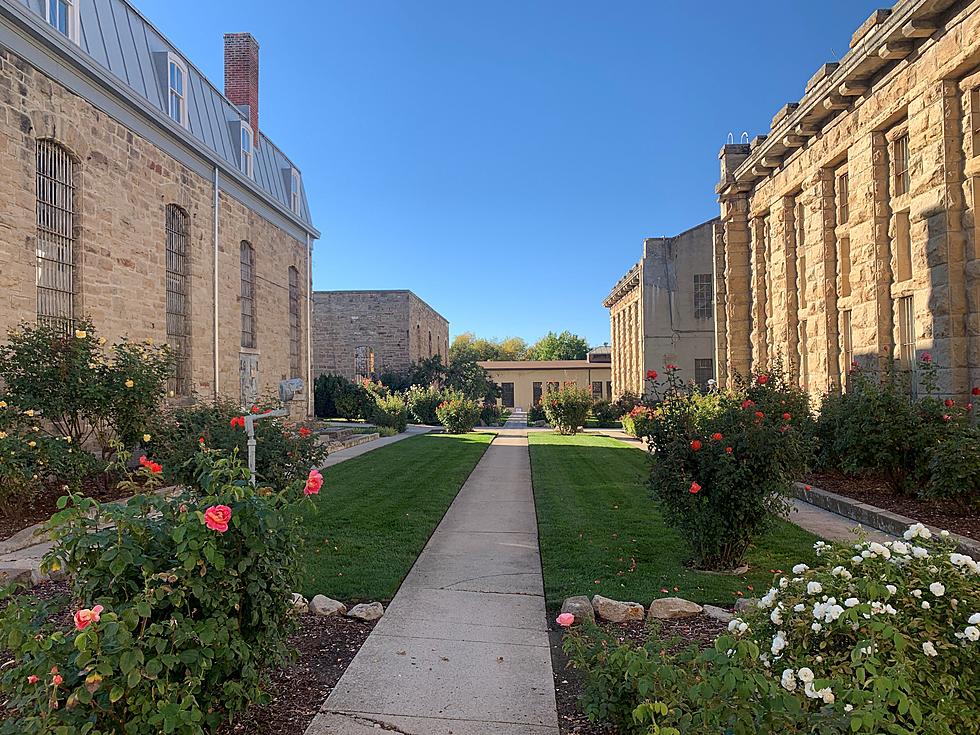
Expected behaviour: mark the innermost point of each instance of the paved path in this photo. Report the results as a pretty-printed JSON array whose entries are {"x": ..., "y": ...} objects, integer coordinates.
[
  {"x": 463, "y": 647},
  {"x": 344, "y": 454}
]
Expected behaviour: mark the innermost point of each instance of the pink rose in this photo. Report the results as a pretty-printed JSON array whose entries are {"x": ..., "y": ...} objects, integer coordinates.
[
  {"x": 565, "y": 620},
  {"x": 85, "y": 617},
  {"x": 313, "y": 483},
  {"x": 217, "y": 517},
  {"x": 32, "y": 679}
]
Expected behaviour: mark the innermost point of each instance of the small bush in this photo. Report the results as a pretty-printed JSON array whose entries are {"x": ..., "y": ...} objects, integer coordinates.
[
  {"x": 606, "y": 414},
  {"x": 185, "y": 604},
  {"x": 390, "y": 411},
  {"x": 422, "y": 402},
  {"x": 567, "y": 408},
  {"x": 492, "y": 415},
  {"x": 458, "y": 414},
  {"x": 536, "y": 414},
  {"x": 954, "y": 468},
  {"x": 626, "y": 403},
  {"x": 639, "y": 421},
  {"x": 326, "y": 388},
  {"x": 878, "y": 638}
]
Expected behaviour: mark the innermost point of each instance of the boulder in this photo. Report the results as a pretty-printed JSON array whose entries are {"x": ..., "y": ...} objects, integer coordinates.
[
  {"x": 617, "y": 612},
  {"x": 718, "y": 613},
  {"x": 746, "y": 603},
  {"x": 326, "y": 607},
  {"x": 300, "y": 604},
  {"x": 580, "y": 607},
  {"x": 668, "y": 608},
  {"x": 370, "y": 611}
]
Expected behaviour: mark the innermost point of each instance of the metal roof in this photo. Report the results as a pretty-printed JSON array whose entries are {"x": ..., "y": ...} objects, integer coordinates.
[{"x": 117, "y": 37}]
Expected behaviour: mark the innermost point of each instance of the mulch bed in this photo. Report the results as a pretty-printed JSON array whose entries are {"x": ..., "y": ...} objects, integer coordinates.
[
  {"x": 41, "y": 505},
  {"x": 700, "y": 630},
  {"x": 942, "y": 514}
]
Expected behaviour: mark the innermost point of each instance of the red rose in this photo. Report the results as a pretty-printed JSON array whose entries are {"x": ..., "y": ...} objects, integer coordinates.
[
  {"x": 695, "y": 488},
  {"x": 976, "y": 390},
  {"x": 748, "y": 403},
  {"x": 759, "y": 415},
  {"x": 651, "y": 374},
  {"x": 254, "y": 409},
  {"x": 696, "y": 444},
  {"x": 949, "y": 403},
  {"x": 717, "y": 436},
  {"x": 969, "y": 406},
  {"x": 728, "y": 450},
  {"x": 304, "y": 432},
  {"x": 926, "y": 357},
  {"x": 947, "y": 417},
  {"x": 671, "y": 366},
  {"x": 786, "y": 417},
  {"x": 762, "y": 379}
]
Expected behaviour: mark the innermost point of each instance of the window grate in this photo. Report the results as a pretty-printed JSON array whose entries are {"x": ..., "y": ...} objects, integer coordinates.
[
  {"x": 248, "y": 295},
  {"x": 847, "y": 345},
  {"x": 902, "y": 165},
  {"x": 704, "y": 370},
  {"x": 843, "y": 210},
  {"x": 294, "y": 340},
  {"x": 703, "y": 296},
  {"x": 56, "y": 288},
  {"x": 178, "y": 296}
]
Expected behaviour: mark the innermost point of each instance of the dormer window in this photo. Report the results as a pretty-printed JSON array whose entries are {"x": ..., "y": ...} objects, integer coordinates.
[
  {"x": 294, "y": 193},
  {"x": 248, "y": 145},
  {"x": 63, "y": 16},
  {"x": 177, "y": 90}
]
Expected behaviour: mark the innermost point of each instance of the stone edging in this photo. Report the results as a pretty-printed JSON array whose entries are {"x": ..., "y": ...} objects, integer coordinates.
[{"x": 873, "y": 517}]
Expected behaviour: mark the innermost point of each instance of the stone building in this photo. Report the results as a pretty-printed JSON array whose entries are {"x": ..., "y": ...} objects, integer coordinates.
[
  {"x": 849, "y": 231},
  {"x": 135, "y": 194},
  {"x": 524, "y": 382},
  {"x": 358, "y": 334},
  {"x": 662, "y": 311}
]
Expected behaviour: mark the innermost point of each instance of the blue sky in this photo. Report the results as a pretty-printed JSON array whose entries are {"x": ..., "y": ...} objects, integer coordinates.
[{"x": 504, "y": 159}]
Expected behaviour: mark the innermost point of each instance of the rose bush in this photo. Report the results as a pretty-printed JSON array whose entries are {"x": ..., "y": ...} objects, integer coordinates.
[
  {"x": 389, "y": 411},
  {"x": 639, "y": 421},
  {"x": 876, "y": 638},
  {"x": 567, "y": 408},
  {"x": 185, "y": 605},
  {"x": 458, "y": 414},
  {"x": 422, "y": 403}
]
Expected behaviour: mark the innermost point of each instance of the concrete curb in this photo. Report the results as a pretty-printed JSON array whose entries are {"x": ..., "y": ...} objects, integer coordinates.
[{"x": 873, "y": 517}]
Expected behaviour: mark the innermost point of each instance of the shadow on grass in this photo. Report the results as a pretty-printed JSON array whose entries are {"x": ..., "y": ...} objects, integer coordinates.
[
  {"x": 375, "y": 513},
  {"x": 601, "y": 533}
]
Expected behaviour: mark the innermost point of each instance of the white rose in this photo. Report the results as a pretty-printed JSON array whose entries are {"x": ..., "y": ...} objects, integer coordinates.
[
  {"x": 919, "y": 553},
  {"x": 851, "y": 602},
  {"x": 856, "y": 559},
  {"x": 937, "y": 589},
  {"x": 800, "y": 568},
  {"x": 929, "y": 650},
  {"x": 778, "y": 643},
  {"x": 814, "y": 588},
  {"x": 799, "y": 608},
  {"x": 900, "y": 548},
  {"x": 926, "y": 605},
  {"x": 816, "y": 627},
  {"x": 805, "y": 675},
  {"x": 848, "y": 707},
  {"x": 972, "y": 632},
  {"x": 916, "y": 593},
  {"x": 776, "y": 616},
  {"x": 892, "y": 589},
  {"x": 828, "y": 696},
  {"x": 788, "y": 680},
  {"x": 974, "y": 619}
]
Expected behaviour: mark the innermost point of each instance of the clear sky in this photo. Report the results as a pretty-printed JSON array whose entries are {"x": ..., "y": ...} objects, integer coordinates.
[{"x": 504, "y": 159}]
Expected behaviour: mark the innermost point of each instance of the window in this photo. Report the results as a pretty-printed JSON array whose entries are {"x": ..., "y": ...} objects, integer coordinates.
[
  {"x": 704, "y": 370},
  {"x": 804, "y": 357},
  {"x": 177, "y": 296},
  {"x": 903, "y": 247},
  {"x": 248, "y": 141},
  {"x": 847, "y": 345},
  {"x": 844, "y": 252},
  {"x": 609, "y": 389},
  {"x": 596, "y": 390},
  {"x": 430, "y": 343},
  {"x": 176, "y": 85},
  {"x": 536, "y": 394},
  {"x": 295, "y": 202},
  {"x": 507, "y": 394},
  {"x": 800, "y": 256},
  {"x": 906, "y": 331},
  {"x": 63, "y": 16},
  {"x": 248, "y": 295},
  {"x": 363, "y": 362},
  {"x": 55, "y": 235},
  {"x": 294, "y": 341},
  {"x": 843, "y": 211},
  {"x": 902, "y": 165},
  {"x": 703, "y": 296},
  {"x": 553, "y": 386}
]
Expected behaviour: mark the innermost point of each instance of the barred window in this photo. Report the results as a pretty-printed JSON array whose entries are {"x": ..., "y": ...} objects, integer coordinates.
[
  {"x": 847, "y": 345},
  {"x": 902, "y": 165},
  {"x": 843, "y": 210},
  {"x": 294, "y": 341},
  {"x": 55, "y": 235},
  {"x": 178, "y": 324},
  {"x": 703, "y": 296},
  {"x": 704, "y": 370},
  {"x": 248, "y": 295},
  {"x": 596, "y": 390}
]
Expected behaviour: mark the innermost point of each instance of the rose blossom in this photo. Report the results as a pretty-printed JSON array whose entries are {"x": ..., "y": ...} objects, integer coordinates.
[
  {"x": 217, "y": 517},
  {"x": 565, "y": 620},
  {"x": 85, "y": 617},
  {"x": 313, "y": 483},
  {"x": 695, "y": 488},
  {"x": 32, "y": 679}
]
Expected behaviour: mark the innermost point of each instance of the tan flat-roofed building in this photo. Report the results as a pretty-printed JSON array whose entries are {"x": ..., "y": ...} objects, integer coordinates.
[{"x": 524, "y": 382}]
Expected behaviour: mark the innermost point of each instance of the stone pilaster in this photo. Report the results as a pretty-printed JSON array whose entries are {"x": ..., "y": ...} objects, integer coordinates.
[
  {"x": 738, "y": 276},
  {"x": 825, "y": 362},
  {"x": 882, "y": 277},
  {"x": 721, "y": 337},
  {"x": 760, "y": 295}
]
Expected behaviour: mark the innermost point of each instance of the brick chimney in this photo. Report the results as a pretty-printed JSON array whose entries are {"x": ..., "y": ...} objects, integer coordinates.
[{"x": 242, "y": 75}]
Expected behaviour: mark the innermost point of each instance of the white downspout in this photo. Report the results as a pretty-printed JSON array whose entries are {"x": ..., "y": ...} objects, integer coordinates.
[
  {"x": 309, "y": 325},
  {"x": 215, "y": 276}
]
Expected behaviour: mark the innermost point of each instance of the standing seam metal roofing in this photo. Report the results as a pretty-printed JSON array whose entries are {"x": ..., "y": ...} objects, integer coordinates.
[{"x": 122, "y": 41}]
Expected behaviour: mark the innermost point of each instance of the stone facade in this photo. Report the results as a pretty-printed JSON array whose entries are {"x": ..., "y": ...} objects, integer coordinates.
[
  {"x": 849, "y": 231},
  {"x": 662, "y": 311},
  {"x": 523, "y": 383},
  {"x": 358, "y": 334},
  {"x": 124, "y": 184}
]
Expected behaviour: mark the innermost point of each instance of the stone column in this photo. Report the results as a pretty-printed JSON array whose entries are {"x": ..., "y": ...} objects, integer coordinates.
[
  {"x": 760, "y": 338},
  {"x": 786, "y": 219},
  {"x": 825, "y": 365},
  {"x": 721, "y": 343},
  {"x": 738, "y": 279},
  {"x": 884, "y": 312}
]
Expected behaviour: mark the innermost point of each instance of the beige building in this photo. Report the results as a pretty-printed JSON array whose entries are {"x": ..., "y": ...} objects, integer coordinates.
[
  {"x": 524, "y": 382},
  {"x": 155, "y": 206},
  {"x": 662, "y": 311},
  {"x": 849, "y": 231},
  {"x": 358, "y": 334}
]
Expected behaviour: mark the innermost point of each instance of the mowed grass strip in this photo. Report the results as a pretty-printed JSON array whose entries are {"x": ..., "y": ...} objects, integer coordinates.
[
  {"x": 376, "y": 512},
  {"x": 601, "y": 533}
]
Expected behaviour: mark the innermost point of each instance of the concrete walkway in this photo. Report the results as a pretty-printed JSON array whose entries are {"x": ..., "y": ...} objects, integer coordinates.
[
  {"x": 344, "y": 454},
  {"x": 463, "y": 648}
]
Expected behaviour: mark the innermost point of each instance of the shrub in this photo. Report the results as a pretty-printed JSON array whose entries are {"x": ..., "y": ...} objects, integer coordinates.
[
  {"x": 639, "y": 421},
  {"x": 492, "y": 415},
  {"x": 876, "y": 638},
  {"x": 536, "y": 414},
  {"x": 567, "y": 408},
  {"x": 325, "y": 391},
  {"x": 390, "y": 411},
  {"x": 422, "y": 402},
  {"x": 721, "y": 466},
  {"x": 186, "y": 602},
  {"x": 954, "y": 468},
  {"x": 458, "y": 414},
  {"x": 353, "y": 401},
  {"x": 606, "y": 414},
  {"x": 81, "y": 391},
  {"x": 283, "y": 454},
  {"x": 626, "y": 403}
]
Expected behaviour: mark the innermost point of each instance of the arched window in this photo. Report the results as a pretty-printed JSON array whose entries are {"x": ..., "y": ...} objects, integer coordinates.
[
  {"x": 294, "y": 340},
  {"x": 56, "y": 288},
  {"x": 178, "y": 296},
  {"x": 430, "y": 343},
  {"x": 248, "y": 295}
]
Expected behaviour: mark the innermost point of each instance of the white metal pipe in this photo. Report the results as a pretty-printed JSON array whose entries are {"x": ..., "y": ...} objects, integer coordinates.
[
  {"x": 250, "y": 420},
  {"x": 217, "y": 212},
  {"x": 309, "y": 325}
]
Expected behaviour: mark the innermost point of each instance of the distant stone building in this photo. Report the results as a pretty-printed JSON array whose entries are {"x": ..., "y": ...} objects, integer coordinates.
[
  {"x": 849, "y": 232},
  {"x": 358, "y": 334},
  {"x": 523, "y": 383},
  {"x": 135, "y": 194},
  {"x": 662, "y": 311}
]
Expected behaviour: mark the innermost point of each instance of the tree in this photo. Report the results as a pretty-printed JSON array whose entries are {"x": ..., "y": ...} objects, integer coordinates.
[
  {"x": 564, "y": 346},
  {"x": 468, "y": 346}
]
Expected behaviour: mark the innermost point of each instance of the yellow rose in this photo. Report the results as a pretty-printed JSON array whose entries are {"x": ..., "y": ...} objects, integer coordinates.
[
  {"x": 3, "y": 404},
  {"x": 149, "y": 340},
  {"x": 29, "y": 412},
  {"x": 129, "y": 383},
  {"x": 68, "y": 439},
  {"x": 146, "y": 437},
  {"x": 32, "y": 444},
  {"x": 81, "y": 333},
  {"x": 101, "y": 340},
  {"x": 3, "y": 434}
]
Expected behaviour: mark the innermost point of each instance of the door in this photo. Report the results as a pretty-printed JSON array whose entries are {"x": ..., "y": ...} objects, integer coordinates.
[
  {"x": 507, "y": 394},
  {"x": 248, "y": 374},
  {"x": 536, "y": 394}
]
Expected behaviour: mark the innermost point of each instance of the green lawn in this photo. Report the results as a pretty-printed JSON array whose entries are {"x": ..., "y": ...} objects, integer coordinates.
[
  {"x": 376, "y": 512},
  {"x": 595, "y": 518}
]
